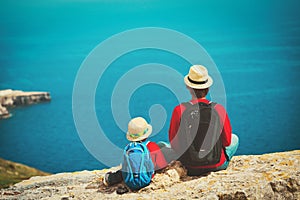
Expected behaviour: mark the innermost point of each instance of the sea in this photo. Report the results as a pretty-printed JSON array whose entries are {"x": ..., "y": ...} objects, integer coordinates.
[{"x": 45, "y": 45}]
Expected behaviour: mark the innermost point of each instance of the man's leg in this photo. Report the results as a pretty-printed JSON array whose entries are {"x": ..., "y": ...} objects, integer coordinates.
[
  {"x": 167, "y": 151},
  {"x": 231, "y": 149}
]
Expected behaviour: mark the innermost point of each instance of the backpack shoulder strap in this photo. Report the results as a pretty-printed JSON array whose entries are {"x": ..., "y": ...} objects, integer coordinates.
[
  {"x": 187, "y": 104},
  {"x": 213, "y": 104},
  {"x": 146, "y": 143},
  {"x": 144, "y": 146},
  {"x": 127, "y": 147},
  {"x": 190, "y": 106}
]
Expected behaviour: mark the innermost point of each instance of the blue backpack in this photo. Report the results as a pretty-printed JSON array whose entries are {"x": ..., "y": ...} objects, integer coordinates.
[{"x": 137, "y": 166}]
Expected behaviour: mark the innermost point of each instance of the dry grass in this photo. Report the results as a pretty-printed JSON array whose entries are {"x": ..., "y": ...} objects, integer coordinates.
[{"x": 11, "y": 173}]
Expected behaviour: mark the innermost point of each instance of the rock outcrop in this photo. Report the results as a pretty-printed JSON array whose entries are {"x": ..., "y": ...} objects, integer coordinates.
[
  {"x": 12, "y": 172},
  {"x": 4, "y": 112},
  {"x": 10, "y": 98},
  {"x": 268, "y": 176}
]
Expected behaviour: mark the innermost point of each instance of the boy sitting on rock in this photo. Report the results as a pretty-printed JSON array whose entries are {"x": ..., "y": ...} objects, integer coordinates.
[{"x": 141, "y": 158}]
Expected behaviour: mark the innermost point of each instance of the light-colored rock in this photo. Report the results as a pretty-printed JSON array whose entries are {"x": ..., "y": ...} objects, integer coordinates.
[
  {"x": 268, "y": 176},
  {"x": 4, "y": 112},
  {"x": 10, "y": 98}
]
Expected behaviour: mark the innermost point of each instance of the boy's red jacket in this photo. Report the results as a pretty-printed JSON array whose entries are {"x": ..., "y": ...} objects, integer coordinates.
[{"x": 157, "y": 156}]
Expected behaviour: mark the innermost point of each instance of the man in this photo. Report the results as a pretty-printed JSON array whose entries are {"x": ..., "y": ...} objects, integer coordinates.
[{"x": 198, "y": 82}]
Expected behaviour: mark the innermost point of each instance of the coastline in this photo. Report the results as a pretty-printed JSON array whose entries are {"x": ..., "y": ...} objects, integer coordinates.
[
  {"x": 11, "y": 98},
  {"x": 267, "y": 176}
]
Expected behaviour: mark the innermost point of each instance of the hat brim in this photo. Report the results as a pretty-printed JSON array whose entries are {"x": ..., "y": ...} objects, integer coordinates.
[
  {"x": 145, "y": 136},
  {"x": 198, "y": 86}
]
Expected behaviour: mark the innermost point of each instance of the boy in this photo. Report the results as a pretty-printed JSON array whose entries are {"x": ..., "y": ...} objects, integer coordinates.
[{"x": 138, "y": 131}]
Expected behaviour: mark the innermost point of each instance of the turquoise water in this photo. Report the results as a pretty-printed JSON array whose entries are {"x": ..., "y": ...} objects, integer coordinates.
[{"x": 255, "y": 45}]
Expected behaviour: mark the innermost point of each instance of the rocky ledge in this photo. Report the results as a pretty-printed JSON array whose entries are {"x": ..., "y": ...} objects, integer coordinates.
[
  {"x": 268, "y": 176},
  {"x": 10, "y": 98}
]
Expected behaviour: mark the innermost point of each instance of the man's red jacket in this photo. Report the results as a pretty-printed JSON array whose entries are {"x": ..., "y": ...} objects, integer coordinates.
[{"x": 225, "y": 135}]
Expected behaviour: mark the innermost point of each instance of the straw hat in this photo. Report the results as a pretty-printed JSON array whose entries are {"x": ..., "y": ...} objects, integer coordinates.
[
  {"x": 198, "y": 78},
  {"x": 138, "y": 129}
]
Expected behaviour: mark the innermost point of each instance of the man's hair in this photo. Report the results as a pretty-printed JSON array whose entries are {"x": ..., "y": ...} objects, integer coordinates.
[{"x": 200, "y": 93}]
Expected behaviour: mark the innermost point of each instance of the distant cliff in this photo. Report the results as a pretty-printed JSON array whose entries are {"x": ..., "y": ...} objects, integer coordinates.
[
  {"x": 268, "y": 176},
  {"x": 10, "y": 98}
]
